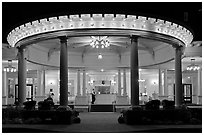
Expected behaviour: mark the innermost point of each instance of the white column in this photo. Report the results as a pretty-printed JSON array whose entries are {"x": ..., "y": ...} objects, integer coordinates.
[
  {"x": 119, "y": 82},
  {"x": 78, "y": 83},
  {"x": 194, "y": 83},
  {"x": 124, "y": 83},
  {"x": 178, "y": 78},
  {"x": 165, "y": 83},
  {"x": 38, "y": 93},
  {"x": 63, "y": 72},
  {"x": 200, "y": 86},
  {"x": 84, "y": 83},
  {"x": 160, "y": 83},
  {"x": 21, "y": 76},
  {"x": 43, "y": 83},
  {"x": 4, "y": 88}
]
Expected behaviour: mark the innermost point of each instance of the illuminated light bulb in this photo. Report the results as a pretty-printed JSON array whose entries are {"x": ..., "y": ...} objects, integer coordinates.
[
  {"x": 102, "y": 70},
  {"x": 102, "y": 46},
  {"x": 96, "y": 42},
  {"x": 12, "y": 70},
  {"x": 5, "y": 69},
  {"x": 100, "y": 56},
  {"x": 97, "y": 46},
  {"x": 92, "y": 43}
]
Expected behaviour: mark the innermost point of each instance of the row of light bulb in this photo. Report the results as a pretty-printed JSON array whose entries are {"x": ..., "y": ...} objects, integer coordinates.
[
  {"x": 193, "y": 68},
  {"x": 10, "y": 69}
]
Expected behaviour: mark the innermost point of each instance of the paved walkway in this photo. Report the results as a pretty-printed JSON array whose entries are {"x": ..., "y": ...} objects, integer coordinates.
[{"x": 99, "y": 122}]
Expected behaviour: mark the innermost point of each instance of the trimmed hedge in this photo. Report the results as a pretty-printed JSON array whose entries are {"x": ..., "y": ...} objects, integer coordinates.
[
  {"x": 61, "y": 116},
  {"x": 174, "y": 116}
]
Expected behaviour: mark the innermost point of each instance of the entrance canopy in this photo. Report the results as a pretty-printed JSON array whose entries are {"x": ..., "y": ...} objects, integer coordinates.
[
  {"x": 156, "y": 38},
  {"x": 98, "y": 24}
]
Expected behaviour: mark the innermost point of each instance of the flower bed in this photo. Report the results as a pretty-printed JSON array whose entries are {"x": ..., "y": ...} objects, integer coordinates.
[
  {"x": 152, "y": 114},
  {"x": 61, "y": 115}
]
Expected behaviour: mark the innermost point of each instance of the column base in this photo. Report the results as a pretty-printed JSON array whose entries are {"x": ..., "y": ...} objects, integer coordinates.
[
  {"x": 81, "y": 100},
  {"x": 200, "y": 100},
  {"x": 39, "y": 98},
  {"x": 122, "y": 100},
  {"x": 4, "y": 100},
  {"x": 10, "y": 101},
  {"x": 163, "y": 97}
]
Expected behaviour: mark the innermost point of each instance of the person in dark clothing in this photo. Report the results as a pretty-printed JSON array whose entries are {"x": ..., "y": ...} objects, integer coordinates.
[{"x": 93, "y": 95}]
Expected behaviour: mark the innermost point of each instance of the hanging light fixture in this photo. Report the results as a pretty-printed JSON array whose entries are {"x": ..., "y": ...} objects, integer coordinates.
[
  {"x": 100, "y": 42},
  {"x": 193, "y": 66},
  {"x": 100, "y": 56},
  {"x": 9, "y": 68}
]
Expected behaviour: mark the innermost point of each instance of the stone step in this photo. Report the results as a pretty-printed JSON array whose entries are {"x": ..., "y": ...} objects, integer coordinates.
[{"x": 102, "y": 108}]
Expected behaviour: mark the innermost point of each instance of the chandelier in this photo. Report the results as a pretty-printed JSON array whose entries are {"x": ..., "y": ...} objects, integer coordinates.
[
  {"x": 9, "y": 68},
  {"x": 100, "y": 42},
  {"x": 193, "y": 66}
]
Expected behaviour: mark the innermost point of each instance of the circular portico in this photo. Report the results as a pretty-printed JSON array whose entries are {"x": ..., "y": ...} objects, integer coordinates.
[{"x": 136, "y": 36}]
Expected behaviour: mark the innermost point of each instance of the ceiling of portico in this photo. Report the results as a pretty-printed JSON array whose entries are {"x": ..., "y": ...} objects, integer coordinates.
[{"x": 117, "y": 45}]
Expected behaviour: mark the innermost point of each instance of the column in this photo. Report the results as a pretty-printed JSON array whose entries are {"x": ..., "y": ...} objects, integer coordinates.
[
  {"x": 21, "y": 76},
  {"x": 165, "y": 84},
  {"x": 84, "y": 83},
  {"x": 78, "y": 83},
  {"x": 195, "y": 94},
  {"x": 63, "y": 72},
  {"x": 119, "y": 82},
  {"x": 4, "y": 87},
  {"x": 134, "y": 72},
  {"x": 38, "y": 93},
  {"x": 43, "y": 83},
  {"x": 124, "y": 83},
  {"x": 200, "y": 86},
  {"x": 178, "y": 78},
  {"x": 160, "y": 83}
]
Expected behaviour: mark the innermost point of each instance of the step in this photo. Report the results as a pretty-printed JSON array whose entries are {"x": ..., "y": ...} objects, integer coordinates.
[{"x": 102, "y": 108}]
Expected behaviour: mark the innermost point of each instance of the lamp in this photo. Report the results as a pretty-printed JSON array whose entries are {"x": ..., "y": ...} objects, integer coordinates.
[
  {"x": 100, "y": 56},
  {"x": 100, "y": 42},
  {"x": 193, "y": 66},
  {"x": 9, "y": 68}
]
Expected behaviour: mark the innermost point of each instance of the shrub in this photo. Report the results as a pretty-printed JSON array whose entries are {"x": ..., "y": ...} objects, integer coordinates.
[
  {"x": 172, "y": 116},
  {"x": 29, "y": 105},
  {"x": 152, "y": 105},
  {"x": 167, "y": 104},
  {"x": 121, "y": 119},
  {"x": 45, "y": 105}
]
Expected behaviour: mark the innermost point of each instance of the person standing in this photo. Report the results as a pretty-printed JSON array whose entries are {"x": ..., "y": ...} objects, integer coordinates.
[{"x": 93, "y": 96}]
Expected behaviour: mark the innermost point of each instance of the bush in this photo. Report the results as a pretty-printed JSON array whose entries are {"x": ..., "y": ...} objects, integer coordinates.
[
  {"x": 121, "y": 119},
  {"x": 76, "y": 120},
  {"x": 29, "y": 105},
  {"x": 172, "y": 116},
  {"x": 167, "y": 104},
  {"x": 152, "y": 105},
  {"x": 46, "y": 105}
]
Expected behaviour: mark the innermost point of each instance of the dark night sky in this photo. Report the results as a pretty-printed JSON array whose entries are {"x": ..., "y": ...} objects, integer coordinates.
[{"x": 15, "y": 14}]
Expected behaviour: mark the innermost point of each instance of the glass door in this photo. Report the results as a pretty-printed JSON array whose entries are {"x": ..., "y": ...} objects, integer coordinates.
[
  {"x": 187, "y": 93},
  {"x": 29, "y": 92}
]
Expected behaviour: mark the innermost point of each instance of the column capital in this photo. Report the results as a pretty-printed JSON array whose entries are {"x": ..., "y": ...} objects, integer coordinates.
[
  {"x": 63, "y": 39},
  {"x": 134, "y": 38}
]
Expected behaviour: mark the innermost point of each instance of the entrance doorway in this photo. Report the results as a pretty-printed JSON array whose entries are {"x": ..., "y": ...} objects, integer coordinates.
[
  {"x": 187, "y": 93},
  {"x": 29, "y": 92}
]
